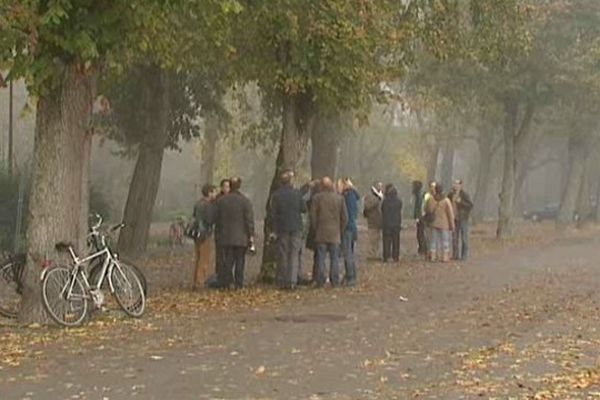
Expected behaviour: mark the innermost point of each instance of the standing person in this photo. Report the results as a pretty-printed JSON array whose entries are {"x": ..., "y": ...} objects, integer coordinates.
[
  {"x": 314, "y": 187},
  {"x": 426, "y": 219},
  {"x": 392, "y": 224},
  {"x": 225, "y": 187},
  {"x": 350, "y": 233},
  {"x": 462, "y": 206},
  {"x": 235, "y": 223},
  {"x": 203, "y": 224},
  {"x": 372, "y": 212},
  {"x": 439, "y": 208},
  {"x": 417, "y": 189},
  {"x": 286, "y": 208},
  {"x": 328, "y": 216}
]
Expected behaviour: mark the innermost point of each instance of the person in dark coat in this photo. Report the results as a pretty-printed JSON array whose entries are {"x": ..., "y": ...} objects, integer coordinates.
[
  {"x": 462, "y": 206},
  {"x": 286, "y": 209},
  {"x": 350, "y": 233},
  {"x": 329, "y": 217},
  {"x": 391, "y": 210},
  {"x": 314, "y": 187},
  {"x": 235, "y": 223},
  {"x": 417, "y": 191},
  {"x": 218, "y": 282}
]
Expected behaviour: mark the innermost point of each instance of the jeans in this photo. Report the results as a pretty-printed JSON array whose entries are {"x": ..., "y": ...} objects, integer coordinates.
[
  {"x": 460, "y": 241},
  {"x": 334, "y": 269},
  {"x": 235, "y": 262},
  {"x": 289, "y": 249},
  {"x": 349, "y": 260},
  {"x": 440, "y": 241},
  {"x": 391, "y": 243}
]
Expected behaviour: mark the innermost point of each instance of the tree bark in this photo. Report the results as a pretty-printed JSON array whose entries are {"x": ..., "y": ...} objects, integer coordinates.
[
  {"x": 325, "y": 140},
  {"x": 146, "y": 175},
  {"x": 571, "y": 191},
  {"x": 480, "y": 197},
  {"x": 516, "y": 138},
  {"x": 507, "y": 194},
  {"x": 209, "y": 149},
  {"x": 447, "y": 170},
  {"x": 432, "y": 164},
  {"x": 57, "y": 191},
  {"x": 291, "y": 145}
]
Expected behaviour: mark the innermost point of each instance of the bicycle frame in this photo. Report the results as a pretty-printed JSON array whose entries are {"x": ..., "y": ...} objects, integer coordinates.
[{"x": 107, "y": 265}]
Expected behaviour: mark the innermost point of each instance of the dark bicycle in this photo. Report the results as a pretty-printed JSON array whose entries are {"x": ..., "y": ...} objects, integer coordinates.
[{"x": 11, "y": 287}]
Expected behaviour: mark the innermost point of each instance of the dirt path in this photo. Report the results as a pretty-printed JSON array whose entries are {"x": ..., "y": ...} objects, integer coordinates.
[{"x": 519, "y": 325}]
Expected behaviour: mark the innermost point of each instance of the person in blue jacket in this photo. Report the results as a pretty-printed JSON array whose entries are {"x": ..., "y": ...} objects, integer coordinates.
[{"x": 350, "y": 234}]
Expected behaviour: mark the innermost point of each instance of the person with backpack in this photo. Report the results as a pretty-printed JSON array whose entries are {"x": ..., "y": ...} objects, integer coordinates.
[
  {"x": 201, "y": 231},
  {"x": 441, "y": 216}
]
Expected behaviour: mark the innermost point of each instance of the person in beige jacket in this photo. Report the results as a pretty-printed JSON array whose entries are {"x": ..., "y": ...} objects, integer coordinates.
[{"x": 440, "y": 217}]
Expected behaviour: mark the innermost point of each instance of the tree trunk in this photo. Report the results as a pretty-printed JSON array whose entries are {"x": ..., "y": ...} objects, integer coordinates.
[
  {"x": 507, "y": 194},
  {"x": 447, "y": 170},
  {"x": 146, "y": 175},
  {"x": 209, "y": 149},
  {"x": 325, "y": 140},
  {"x": 57, "y": 194},
  {"x": 290, "y": 147},
  {"x": 571, "y": 191},
  {"x": 432, "y": 164},
  {"x": 517, "y": 138},
  {"x": 483, "y": 177}
]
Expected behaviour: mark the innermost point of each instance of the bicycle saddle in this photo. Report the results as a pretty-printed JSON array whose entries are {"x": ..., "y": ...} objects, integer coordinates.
[{"x": 63, "y": 246}]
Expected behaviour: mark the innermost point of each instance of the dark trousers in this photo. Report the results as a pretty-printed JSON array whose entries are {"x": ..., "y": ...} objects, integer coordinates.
[
  {"x": 391, "y": 243},
  {"x": 224, "y": 279},
  {"x": 289, "y": 249},
  {"x": 235, "y": 262},
  {"x": 422, "y": 238}
]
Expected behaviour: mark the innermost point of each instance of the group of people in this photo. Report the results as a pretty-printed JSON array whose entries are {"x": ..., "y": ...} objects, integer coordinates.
[
  {"x": 322, "y": 216},
  {"x": 227, "y": 217},
  {"x": 443, "y": 222}
]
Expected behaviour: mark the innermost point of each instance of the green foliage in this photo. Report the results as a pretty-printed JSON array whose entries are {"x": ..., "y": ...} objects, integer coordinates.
[
  {"x": 39, "y": 38},
  {"x": 329, "y": 50}
]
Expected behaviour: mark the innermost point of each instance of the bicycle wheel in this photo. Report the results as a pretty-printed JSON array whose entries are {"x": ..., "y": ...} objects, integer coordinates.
[
  {"x": 66, "y": 307},
  {"x": 128, "y": 290},
  {"x": 96, "y": 268},
  {"x": 10, "y": 296}
]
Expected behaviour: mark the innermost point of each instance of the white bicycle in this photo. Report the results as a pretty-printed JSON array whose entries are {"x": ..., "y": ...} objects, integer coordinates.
[{"x": 66, "y": 291}]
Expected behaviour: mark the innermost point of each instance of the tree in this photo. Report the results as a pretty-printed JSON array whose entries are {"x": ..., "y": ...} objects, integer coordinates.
[
  {"x": 311, "y": 57},
  {"x": 60, "y": 48},
  {"x": 156, "y": 107}
]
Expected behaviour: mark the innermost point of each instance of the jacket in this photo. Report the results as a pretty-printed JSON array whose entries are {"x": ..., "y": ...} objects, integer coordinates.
[
  {"x": 372, "y": 211},
  {"x": 462, "y": 208},
  {"x": 204, "y": 214},
  {"x": 352, "y": 200},
  {"x": 391, "y": 210},
  {"x": 328, "y": 216},
  {"x": 443, "y": 215},
  {"x": 234, "y": 219},
  {"x": 287, "y": 206}
]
